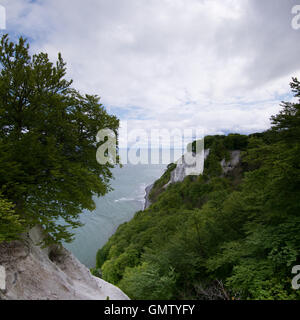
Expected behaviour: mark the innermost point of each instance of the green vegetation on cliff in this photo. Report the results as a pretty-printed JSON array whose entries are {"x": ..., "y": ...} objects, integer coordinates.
[
  {"x": 234, "y": 236},
  {"x": 158, "y": 185}
]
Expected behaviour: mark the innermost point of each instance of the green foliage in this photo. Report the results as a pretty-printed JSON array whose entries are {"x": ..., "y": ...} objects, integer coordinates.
[
  {"x": 114, "y": 268},
  {"x": 287, "y": 122},
  {"x": 96, "y": 272},
  {"x": 48, "y": 166},
  {"x": 233, "y": 141},
  {"x": 146, "y": 282},
  {"x": 212, "y": 165},
  {"x": 161, "y": 182},
  {"x": 11, "y": 225},
  {"x": 243, "y": 236}
]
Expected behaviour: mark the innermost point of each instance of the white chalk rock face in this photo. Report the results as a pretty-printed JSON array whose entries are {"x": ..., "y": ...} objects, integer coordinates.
[
  {"x": 33, "y": 273},
  {"x": 182, "y": 169},
  {"x": 235, "y": 158}
]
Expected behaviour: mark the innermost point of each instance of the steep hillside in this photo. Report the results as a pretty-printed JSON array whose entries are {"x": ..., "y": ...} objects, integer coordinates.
[{"x": 231, "y": 233}]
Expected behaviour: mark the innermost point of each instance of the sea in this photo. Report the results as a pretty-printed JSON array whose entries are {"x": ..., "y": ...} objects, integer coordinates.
[{"x": 113, "y": 209}]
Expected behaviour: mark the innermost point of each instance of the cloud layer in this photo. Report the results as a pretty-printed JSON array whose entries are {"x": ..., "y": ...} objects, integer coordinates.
[{"x": 220, "y": 65}]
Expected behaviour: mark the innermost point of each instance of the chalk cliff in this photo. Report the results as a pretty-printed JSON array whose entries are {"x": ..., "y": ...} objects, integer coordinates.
[
  {"x": 53, "y": 273},
  {"x": 179, "y": 173}
]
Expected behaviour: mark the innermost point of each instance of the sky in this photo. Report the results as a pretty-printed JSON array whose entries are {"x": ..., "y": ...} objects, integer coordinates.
[{"x": 219, "y": 65}]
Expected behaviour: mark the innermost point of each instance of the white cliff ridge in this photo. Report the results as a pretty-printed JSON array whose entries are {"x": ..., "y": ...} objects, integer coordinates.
[
  {"x": 183, "y": 169},
  {"x": 33, "y": 273}
]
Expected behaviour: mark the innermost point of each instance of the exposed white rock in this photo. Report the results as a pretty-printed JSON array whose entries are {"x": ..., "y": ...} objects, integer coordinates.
[
  {"x": 235, "y": 158},
  {"x": 33, "y": 273},
  {"x": 147, "y": 200},
  {"x": 181, "y": 170}
]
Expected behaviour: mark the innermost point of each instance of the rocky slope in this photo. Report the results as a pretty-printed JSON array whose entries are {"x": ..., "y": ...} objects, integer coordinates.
[
  {"x": 53, "y": 273},
  {"x": 179, "y": 173},
  {"x": 147, "y": 200}
]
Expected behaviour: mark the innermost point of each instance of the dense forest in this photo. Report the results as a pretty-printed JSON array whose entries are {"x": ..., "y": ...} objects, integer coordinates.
[
  {"x": 217, "y": 236},
  {"x": 212, "y": 236}
]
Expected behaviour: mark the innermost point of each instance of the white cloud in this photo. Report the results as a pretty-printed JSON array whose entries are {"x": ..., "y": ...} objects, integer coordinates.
[{"x": 220, "y": 65}]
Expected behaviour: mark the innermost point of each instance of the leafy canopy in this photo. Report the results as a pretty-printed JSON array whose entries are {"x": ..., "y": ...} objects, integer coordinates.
[{"x": 48, "y": 166}]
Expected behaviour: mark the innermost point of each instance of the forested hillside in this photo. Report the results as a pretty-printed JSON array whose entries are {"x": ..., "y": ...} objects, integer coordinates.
[{"x": 216, "y": 236}]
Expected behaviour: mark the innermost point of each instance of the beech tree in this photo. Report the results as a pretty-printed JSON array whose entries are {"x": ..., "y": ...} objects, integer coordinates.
[{"x": 48, "y": 166}]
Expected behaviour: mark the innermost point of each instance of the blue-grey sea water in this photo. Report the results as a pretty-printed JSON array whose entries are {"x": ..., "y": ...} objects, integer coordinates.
[{"x": 113, "y": 209}]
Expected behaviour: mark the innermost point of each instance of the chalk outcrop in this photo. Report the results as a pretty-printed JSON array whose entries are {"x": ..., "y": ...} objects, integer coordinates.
[
  {"x": 180, "y": 172},
  {"x": 147, "y": 200},
  {"x": 235, "y": 158},
  {"x": 52, "y": 273}
]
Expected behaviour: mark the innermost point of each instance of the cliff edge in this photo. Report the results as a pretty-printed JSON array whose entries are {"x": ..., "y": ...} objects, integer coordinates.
[
  {"x": 179, "y": 173},
  {"x": 52, "y": 273}
]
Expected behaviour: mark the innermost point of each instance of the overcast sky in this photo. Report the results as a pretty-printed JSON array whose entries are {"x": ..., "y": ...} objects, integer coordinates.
[{"x": 223, "y": 65}]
